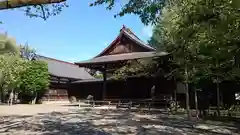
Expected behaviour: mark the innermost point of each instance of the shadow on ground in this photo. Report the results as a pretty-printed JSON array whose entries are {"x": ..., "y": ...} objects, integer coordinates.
[{"x": 108, "y": 122}]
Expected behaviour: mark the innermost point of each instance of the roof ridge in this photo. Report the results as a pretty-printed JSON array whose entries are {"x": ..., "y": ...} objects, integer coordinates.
[
  {"x": 129, "y": 31},
  {"x": 138, "y": 40},
  {"x": 66, "y": 62}
]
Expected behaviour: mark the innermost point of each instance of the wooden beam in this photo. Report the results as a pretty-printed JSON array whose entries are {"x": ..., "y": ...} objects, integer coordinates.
[
  {"x": 104, "y": 82},
  {"x": 10, "y": 4}
]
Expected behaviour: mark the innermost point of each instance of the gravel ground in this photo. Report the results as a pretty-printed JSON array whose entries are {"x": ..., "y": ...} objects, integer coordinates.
[{"x": 56, "y": 119}]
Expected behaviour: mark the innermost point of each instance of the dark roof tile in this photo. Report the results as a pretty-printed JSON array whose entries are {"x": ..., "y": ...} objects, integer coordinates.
[
  {"x": 65, "y": 69},
  {"x": 122, "y": 57}
]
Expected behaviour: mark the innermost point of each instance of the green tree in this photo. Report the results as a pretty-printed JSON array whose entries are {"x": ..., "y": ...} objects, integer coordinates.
[
  {"x": 147, "y": 10},
  {"x": 201, "y": 35},
  {"x": 140, "y": 68},
  {"x": 219, "y": 65},
  {"x": 175, "y": 40},
  {"x": 35, "y": 79},
  {"x": 27, "y": 52},
  {"x": 150, "y": 11},
  {"x": 11, "y": 67},
  {"x": 8, "y": 45}
]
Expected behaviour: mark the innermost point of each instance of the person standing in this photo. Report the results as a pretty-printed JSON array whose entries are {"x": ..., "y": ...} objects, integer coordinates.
[
  {"x": 152, "y": 97},
  {"x": 90, "y": 100},
  {"x": 153, "y": 92},
  {"x": 10, "y": 100}
]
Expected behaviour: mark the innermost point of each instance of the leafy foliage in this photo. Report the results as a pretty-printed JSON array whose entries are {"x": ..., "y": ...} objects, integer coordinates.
[
  {"x": 8, "y": 45},
  {"x": 21, "y": 74},
  {"x": 202, "y": 36},
  {"x": 98, "y": 75},
  {"x": 45, "y": 11},
  {"x": 145, "y": 67},
  {"x": 27, "y": 52},
  {"x": 35, "y": 78},
  {"x": 147, "y": 10},
  {"x": 11, "y": 67},
  {"x": 36, "y": 8},
  {"x": 206, "y": 32}
]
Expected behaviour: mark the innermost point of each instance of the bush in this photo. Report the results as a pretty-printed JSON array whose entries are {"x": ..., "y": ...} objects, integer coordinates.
[{"x": 72, "y": 99}]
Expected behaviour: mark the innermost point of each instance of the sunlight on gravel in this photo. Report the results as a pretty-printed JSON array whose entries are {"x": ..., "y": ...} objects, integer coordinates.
[{"x": 72, "y": 120}]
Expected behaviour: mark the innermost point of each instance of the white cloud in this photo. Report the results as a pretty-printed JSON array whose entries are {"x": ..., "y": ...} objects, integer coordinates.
[{"x": 147, "y": 31}]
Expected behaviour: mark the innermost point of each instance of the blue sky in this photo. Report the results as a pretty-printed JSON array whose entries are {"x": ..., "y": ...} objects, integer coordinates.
[{"x": 80, "y": 32}]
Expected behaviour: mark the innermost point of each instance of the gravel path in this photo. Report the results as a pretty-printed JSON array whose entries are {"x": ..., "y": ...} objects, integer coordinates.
[{"x": 57, "y": 119}]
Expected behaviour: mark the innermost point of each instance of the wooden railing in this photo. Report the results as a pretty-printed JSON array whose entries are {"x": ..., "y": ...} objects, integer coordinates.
[{"x": 129, "y": 103}]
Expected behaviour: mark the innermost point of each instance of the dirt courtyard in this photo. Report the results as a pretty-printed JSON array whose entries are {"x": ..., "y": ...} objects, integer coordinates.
[{"x": 56, "y": 119}]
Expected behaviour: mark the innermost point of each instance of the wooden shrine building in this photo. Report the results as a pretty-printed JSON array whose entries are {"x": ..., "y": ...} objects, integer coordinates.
[
  {"x": 127, "y": 46},
  {"x": 61, "y": 75}
]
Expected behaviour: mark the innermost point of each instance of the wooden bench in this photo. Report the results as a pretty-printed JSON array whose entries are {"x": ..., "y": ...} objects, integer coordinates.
[
  {"x": 93, "y": 103},
  {"x": 101, "y": 103},
  {"x": 85, "y": 103},
  {"x": 145, "y": 102}
]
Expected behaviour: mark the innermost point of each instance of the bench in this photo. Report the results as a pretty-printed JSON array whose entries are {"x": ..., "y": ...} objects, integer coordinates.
[
  {"x": 85, "y": 103},
  {"x": 124, "y": 104},
  {"x": 93, "y": 103}
]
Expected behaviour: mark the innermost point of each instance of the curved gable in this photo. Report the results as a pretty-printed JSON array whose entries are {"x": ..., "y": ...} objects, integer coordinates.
[{"x": 126, "y": 42}]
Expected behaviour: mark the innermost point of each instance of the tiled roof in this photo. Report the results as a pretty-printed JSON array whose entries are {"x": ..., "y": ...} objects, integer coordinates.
[
  {"x": 132, "y": 36},
  {"x": 65, "y": 69},
  {"x": 92, "y": 81},
  {"x": 122, "y": 57}
]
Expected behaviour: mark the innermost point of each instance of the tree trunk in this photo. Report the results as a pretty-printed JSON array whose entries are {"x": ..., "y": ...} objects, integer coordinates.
[
  {"x": 10, "y": 4},
  {"x": 175, "y": 99},
  {"x": 34, "y": 99},
  {"x": 187, "y": 101},
  {"x": 2, "y": 94},
  {"x": 218, "y": 99},
  {"x": 187, "y": 92},
  {"x": 16, "y": 97},
  {"x": 196, "y": 103},
  {"x": 104, "y": 82}
]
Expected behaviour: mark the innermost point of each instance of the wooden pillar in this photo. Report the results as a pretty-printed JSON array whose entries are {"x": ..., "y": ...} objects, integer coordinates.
[
  {"x": 56, "y": 96},
  {"x": 175, "y": 94},
  {"x": 58, "y": 80},
  {"x": 104, "y": 81},
  {"x": 196, "y": 102},
  {"x": 175, "y": 99}
]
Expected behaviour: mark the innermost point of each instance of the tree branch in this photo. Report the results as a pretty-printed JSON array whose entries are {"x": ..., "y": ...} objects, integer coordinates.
[
  {"x": 10, "y": 4},
  {"x": 44, "y": 15}
]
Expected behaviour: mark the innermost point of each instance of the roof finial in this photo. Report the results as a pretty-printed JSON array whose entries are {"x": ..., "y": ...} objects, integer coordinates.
[{"x": 123, "y": 28}]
